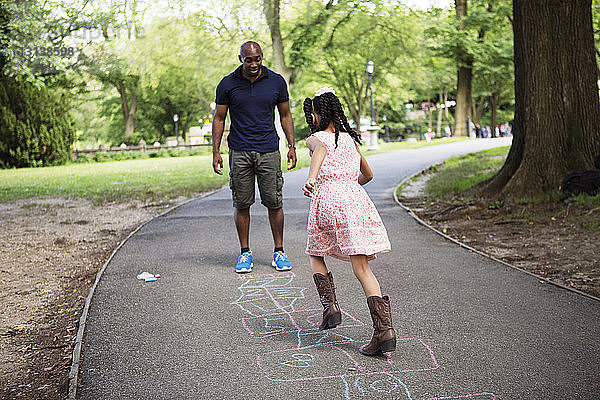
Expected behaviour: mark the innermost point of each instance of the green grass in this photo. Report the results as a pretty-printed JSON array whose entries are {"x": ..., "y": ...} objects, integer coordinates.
[
  {"x": 592, "y": 225},
  {"x": 143, "y": 179},
  {"x": 586, "y": 199},
  {"x": 156, "y": 178},
  {"x": 458, "y": 174}
]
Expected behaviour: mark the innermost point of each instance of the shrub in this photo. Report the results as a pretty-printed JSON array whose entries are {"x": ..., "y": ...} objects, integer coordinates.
[{"x": 36, "y": 128}]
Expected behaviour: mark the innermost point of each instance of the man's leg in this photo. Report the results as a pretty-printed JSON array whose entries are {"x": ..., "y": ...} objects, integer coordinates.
[
  {"x": 242, "y": 224},
  {"x": 276, "y": 220},
  {"x": 270, "y": 183},
  {"x": 242, "y": 190}
]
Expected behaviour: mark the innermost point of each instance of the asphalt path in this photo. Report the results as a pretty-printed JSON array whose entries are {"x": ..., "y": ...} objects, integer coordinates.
[{"x": 468, "y": 327}]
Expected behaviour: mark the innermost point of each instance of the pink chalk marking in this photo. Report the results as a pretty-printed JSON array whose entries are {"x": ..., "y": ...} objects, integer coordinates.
[
  {"x": 283, "y": 309},
  {"x": 244, "y": 277},
  {"x": 346, "y": 374},
  {"x": 464, "y": 396},
  {"x": 245, "y": 325},
  {"x": 361, "y": 369},
  {"x": 389, "y": 358}
]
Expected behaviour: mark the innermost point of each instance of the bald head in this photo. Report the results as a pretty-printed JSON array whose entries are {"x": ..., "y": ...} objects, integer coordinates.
[
  {"x": 251, "y": 59},
  {"x": 250, "y": 47}
]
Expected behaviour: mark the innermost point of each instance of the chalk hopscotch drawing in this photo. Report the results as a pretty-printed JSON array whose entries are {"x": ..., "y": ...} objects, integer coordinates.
[
  {"x": 384, "y": 383},
  {"x": 270, "y": 302},
  {"x": 271, "y": 365},
  {"x": 475, "y": 396}
]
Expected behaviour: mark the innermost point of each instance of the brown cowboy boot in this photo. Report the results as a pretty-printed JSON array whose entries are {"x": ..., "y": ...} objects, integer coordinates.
[
  {"x": 332, "y": 316},
  {"x": 384, "y": 336}
]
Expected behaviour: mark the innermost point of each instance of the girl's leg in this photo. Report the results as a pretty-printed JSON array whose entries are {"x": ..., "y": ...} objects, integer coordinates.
[
  {"x": 361, "y": 269},
  {"x": 332, "y": 315},
  {"x": 317, "y": 264},
  {"x": 384, "y": 335}
]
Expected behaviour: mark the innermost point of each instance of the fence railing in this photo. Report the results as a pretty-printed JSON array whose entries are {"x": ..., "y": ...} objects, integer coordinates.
[{"x": 141, "y": 148}]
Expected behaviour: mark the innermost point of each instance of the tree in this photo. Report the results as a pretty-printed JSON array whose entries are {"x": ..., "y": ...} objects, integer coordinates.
[
  {"x": 108, "y": 60},
  {"x": 110, "y": 69},
  {"x": 36, "y": 127},
  {"x": 493, "y": 72},
  {"x": 181, "y": 76},
  {"x": 382, "y": 34},
  {"x": 464, "y": 76},
  {"x": 557, "y": 110},
  {"x": 306, "y": 31}
]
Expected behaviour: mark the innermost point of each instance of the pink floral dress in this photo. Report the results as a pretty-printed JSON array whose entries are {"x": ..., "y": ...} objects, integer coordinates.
[{"x": 342, "y": 220}]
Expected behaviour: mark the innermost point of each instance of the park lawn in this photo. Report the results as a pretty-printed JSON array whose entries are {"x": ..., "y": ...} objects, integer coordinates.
[
  {"x": 459, "y": 173},
  {"x": 153, "y": 179},
  {"x": 457, "y": 176}
]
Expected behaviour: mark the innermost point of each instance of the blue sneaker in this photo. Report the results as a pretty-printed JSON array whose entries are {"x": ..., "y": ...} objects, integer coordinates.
[
  {"x": 244, "y": 263},
  {"x": 281, "y": 261}
]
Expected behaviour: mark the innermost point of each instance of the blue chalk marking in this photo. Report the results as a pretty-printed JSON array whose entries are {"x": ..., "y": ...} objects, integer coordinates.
[
  {"x": 395, "y": 381},
  {"x": 301, "y": 360},
  {"x": 357, "y": 385}
]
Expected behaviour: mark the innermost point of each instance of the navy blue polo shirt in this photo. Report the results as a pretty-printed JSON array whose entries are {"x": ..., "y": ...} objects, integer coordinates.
[{"x": 252, "y": 109}]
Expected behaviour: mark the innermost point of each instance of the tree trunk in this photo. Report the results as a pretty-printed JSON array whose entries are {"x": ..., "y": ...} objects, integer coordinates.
[
  {"x": 494, "y": 99},
  {"x": 438, "y": 128},
  {"x": 464, "y": 75},
  {"x": 129, "y": 107},
  {"x": 446, "y": 114},
  {"x": 271, "y": 12},
  {"x": 478, "y": 109},
  {"x": 557, "y": 112}
]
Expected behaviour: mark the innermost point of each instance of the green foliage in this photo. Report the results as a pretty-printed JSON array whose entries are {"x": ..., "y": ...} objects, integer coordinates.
[
  {"x": 486, "y": 40},
  {"x": 356, "y": 33},
  {"x": 495, "y": 205},
  {"x": 596, "y": 23},
  {"x": 592, "y": 225},
  {"x": 36, "y": 129}
]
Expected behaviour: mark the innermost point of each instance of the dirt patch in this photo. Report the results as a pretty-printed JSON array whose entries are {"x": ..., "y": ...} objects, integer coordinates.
[
  {"x": 556, "y": 240},
  {"x": 51, "y": 251}
]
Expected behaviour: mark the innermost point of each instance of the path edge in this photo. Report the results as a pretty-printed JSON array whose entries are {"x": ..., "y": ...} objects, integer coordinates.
[
  {"x": 74, "y": 371},
  {"x": 481, "y": 253}
]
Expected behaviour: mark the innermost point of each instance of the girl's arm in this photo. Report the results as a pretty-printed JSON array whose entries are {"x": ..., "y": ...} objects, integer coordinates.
[
  {"x": 318, "y": 152},
  {"x": 366, "y": 174}
]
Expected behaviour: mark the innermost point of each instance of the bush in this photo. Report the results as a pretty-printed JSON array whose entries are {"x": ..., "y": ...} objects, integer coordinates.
[
  {"x": 84, "y": 158},
  {"x": 36, "y": 128}
]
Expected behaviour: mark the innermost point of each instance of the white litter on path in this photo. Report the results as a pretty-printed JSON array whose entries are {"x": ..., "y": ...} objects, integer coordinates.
[{"x": 148, "y": 277}]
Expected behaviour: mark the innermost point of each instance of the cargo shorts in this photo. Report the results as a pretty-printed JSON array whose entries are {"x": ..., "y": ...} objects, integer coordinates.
[{"x": 246, "y": 167}]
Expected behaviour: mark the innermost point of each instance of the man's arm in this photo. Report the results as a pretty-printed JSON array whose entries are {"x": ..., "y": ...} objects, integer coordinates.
[
  {"x": 287, "y": 123},
  {"x": 218, "y": 126}
]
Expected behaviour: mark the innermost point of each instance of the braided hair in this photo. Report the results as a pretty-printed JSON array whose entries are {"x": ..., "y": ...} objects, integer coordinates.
[{"x": 329, "y": 108}]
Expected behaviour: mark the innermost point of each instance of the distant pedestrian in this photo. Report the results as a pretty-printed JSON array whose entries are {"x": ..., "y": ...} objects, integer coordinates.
[
  {"x": 477, "y": 131},
  {"x": 428, "y": 135},
  {"x": 342, "y": 221},
  {"x": 251, "y": 93}
]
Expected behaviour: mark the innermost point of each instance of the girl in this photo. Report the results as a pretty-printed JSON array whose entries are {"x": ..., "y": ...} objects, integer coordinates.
[{"x": 342, "y": 221}]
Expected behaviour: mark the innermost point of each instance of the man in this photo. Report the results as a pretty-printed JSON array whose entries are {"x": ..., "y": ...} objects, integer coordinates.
[{"x": 251, "y": 93}]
